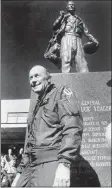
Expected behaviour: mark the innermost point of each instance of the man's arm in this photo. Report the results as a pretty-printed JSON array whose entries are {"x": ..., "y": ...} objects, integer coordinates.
[
  {"x": 87, "y": 34},
  {"x": 56, "y": 24},
  {"x": 71, "y": 120}
]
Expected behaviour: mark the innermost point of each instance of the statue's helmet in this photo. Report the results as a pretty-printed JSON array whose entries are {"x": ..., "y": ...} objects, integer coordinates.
[
  {"x": 90, "y": 47},
  {"x": 71, "y": 6}
]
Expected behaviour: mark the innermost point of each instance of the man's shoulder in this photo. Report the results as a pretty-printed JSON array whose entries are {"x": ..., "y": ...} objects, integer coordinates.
[
  {"x": 69, "y": 100},
  {"x": 62, "y": 90},
  {"x": 57, "y": 90},
  {"x": 79, "y": 18}
]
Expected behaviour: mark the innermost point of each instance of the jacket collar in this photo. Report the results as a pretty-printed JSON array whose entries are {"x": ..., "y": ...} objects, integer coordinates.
[{"x": 45, "y": 97}]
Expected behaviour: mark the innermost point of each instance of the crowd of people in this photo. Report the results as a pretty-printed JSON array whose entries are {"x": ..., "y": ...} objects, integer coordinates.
[{"x": 9, "y": 165}]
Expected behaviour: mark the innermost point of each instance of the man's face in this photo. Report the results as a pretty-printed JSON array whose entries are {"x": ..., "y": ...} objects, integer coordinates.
[
  {"x": 21, "y": 151},
  {"x": 38, "y": 79},
  {"x": 10, "y": 151},
  {"x": 2, "y": 163},
  {"x": 71, "y": 6}
]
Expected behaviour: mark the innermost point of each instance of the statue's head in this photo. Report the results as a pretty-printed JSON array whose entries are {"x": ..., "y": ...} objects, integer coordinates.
[{"x": 70, "y": 6}]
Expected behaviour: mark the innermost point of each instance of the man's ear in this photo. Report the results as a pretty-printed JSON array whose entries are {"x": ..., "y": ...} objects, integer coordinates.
[{"x": 49, "y": 79}]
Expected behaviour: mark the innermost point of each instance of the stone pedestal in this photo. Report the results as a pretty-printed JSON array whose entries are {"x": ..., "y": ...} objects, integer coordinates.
[{"x": 93, "y": 92}]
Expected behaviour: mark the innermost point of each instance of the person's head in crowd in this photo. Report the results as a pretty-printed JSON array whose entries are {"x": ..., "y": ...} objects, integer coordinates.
[
  {"x": 21, "y": 151},
  {"x": 39, "y": 78},
  {"x": 5, "y": 182},
  {"x": 25, "y": 159},
  {"x": 13, "y": 162},
  {"x": 2, "y": 156},
  {"x": 10, "y": 151},
  {"x": 2, "y": 162}
]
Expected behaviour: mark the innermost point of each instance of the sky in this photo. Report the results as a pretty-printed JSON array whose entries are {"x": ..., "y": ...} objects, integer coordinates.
[{"x": 26, "y": 28}]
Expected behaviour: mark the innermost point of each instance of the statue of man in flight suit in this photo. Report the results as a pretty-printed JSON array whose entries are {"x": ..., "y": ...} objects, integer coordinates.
[{"x": 66, "y": 43}]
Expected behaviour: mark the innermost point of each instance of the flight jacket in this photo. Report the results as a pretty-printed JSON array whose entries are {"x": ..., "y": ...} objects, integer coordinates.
[{"x": 55, "y": 127}]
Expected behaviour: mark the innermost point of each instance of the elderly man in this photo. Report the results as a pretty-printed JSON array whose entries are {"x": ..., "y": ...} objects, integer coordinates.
[
  {"x": 53, "y": 136},
  {"x": 67, "y": 38},
  {"x": 54, "y": 132}
]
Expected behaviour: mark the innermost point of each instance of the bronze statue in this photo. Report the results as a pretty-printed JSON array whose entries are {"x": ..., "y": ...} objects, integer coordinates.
[{"x": 65, "y": 46}]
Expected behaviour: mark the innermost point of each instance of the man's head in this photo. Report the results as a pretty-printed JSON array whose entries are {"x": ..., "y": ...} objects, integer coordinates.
[
  {"x": 13, "y": 162},
  {"x": 2, "y": 162},
  {"x": 71, "y": 6},
  {"x": 9, "y": 151},
  {"x": 39, "y": 79},
  {"x": 21, "y": 151}
]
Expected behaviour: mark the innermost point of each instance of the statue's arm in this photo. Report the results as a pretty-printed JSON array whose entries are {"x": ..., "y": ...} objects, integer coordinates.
[
  {"x": 57, "y": 23},
  {"x": 87, "y": 34}
]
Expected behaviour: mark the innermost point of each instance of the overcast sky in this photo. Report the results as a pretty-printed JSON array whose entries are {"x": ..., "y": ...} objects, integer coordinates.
[{"x": 26, "y": 30}]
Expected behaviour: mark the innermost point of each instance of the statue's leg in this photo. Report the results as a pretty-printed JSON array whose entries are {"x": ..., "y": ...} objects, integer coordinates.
[
  {"x": 65, "y": 53},
  {"x": 81, "y": 63},
  {"x": 66, "y": 68}
]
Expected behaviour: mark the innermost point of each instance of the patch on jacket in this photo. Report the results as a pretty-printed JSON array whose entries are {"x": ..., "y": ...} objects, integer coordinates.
[{"x": 68, "y": 93}]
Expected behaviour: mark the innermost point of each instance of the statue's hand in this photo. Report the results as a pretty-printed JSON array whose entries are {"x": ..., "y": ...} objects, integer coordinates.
[
  {"x": 97, "y": 43},
  {"x": 62, "y": 13}
]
